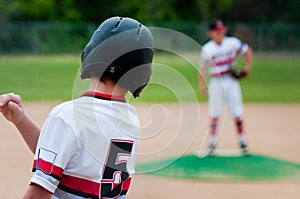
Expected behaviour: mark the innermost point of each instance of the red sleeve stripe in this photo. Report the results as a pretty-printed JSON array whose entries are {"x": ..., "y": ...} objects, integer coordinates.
[{"x": 48, "y": 168}]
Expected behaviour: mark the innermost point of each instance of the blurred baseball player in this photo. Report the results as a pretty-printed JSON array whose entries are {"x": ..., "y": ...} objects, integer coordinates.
[
  {"x": 219, "y": 55},
  {"x": 86, "y": 147}
]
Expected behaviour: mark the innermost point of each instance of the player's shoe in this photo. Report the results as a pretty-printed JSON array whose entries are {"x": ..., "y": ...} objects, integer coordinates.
[
  {"x": 211, "y": 149},
  {"x": 244, "y": 149}
]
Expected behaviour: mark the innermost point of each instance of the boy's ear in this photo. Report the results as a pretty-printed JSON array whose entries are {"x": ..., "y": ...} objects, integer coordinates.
[{"x": 208, "y": 34}]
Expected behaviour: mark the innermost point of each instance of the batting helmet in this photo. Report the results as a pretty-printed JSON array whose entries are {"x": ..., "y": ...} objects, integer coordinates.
[{"x": 121, "y": 49}]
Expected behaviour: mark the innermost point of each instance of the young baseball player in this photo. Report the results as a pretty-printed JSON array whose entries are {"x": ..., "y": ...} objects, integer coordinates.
[
  {"x": 86, "y": 147},
  {"x": 219, "y": 56}
]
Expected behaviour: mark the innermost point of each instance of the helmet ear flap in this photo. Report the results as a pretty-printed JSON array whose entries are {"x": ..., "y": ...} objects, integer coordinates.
[
  {"x": 81, "y": 57},
  {"x": 138, "y": 91}
]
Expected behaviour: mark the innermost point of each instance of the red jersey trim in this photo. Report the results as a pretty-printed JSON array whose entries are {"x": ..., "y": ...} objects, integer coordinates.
[
  {"x": 223, "y": 62},
  {"x": 48, "y": 168},
  {"x": 86, "y": 188},
  {"x": 71, "y": 184},
  {"x": 220, "y": 73},
  {"x": 79, "y": 186},
  {"x": 103, "y": 96},
  {"x": 126, "y": 184}
]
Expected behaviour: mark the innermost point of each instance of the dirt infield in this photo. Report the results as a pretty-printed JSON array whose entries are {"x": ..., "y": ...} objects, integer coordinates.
[{"x": 171, "y": 130}]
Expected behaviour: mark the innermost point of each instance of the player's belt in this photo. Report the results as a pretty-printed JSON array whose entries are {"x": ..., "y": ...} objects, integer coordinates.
[{"x": 220, "y": 73}]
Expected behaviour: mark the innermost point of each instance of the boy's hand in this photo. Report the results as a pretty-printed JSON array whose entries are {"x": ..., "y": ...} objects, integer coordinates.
[{"x": 12, "y": 108}]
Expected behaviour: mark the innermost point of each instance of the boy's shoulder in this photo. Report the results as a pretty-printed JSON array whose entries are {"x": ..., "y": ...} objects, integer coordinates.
[
  {"x": 62, "y": 107},
  {"x": 231, "y": 39},
  {"x": 208, "y": 43}
]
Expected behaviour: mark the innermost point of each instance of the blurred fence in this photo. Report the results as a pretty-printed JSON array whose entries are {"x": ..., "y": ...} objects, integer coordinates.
[
  {"x": 66, "y": 37},
  {"x": 44, "y": 37}
]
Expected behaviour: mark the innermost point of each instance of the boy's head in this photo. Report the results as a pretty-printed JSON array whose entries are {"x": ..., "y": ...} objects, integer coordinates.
[
  {"x": 217, "y": 30},
  {"x": 121, "y": 50}
]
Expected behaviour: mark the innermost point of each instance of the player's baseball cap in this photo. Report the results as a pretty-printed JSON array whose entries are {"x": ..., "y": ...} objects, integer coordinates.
[{"x": 217, "y": 25}]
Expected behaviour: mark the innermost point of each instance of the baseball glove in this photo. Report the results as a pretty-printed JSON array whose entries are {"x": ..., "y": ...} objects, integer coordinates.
[{"x": 237, "y": 73}]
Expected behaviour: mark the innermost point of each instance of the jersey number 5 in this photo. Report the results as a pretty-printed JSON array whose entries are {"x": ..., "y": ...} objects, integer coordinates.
[{"x": 115, "y": 179}]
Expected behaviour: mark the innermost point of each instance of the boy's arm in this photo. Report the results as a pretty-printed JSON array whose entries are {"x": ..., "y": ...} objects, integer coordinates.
[
  {"x": 248, "y": 60},
  {"x": 202, "y": 80},
  {"x": 35, "y": 191},
  {"x": 11, "y": 107}
]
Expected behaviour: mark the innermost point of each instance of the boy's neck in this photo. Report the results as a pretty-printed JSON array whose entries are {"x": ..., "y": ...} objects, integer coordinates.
[{"x": 107, "y": 87}]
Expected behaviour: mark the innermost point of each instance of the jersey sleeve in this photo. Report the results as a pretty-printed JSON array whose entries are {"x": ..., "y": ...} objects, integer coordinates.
[
  {"x": 241, "y": 46},
  {"x": 56, "y": 145},
  {"x": 204, "y": 58}
]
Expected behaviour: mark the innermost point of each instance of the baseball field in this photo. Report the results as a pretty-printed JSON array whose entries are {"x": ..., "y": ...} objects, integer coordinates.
[{"x": 174, "y": 123}]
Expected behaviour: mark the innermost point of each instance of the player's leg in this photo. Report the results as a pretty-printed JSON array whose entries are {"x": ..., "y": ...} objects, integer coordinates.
[
  {"x": 235, "y": 104},
  {"x": 241, "y": 133},
  {"x": 213, "y": 133},
  {"x": 216, "y": 103}
]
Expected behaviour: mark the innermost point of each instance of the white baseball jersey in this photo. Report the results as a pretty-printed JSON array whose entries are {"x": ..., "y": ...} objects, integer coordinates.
[
  {"x": 87, "y": 148},
  {"x": 221, "y": 57},
  {"x": 222, "y": 86}
]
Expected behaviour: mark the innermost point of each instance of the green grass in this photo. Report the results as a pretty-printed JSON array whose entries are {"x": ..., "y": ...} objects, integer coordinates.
[
  {"x": 38, "y": 78},
  {"x": 253, "y": 167},
  {"x": 274, "y": 78}
]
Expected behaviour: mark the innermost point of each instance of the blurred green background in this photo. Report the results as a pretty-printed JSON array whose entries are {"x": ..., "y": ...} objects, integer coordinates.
[
  {"x": 275, "y": 78},
  {"x": 41, "y": 42}
]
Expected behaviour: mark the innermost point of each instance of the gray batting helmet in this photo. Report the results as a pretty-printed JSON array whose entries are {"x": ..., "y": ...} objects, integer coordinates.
[{"x": 121, "y": 49}]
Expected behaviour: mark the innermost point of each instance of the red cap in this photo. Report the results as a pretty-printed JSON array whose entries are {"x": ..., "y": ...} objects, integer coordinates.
[{"x": 217, "y": 25}]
